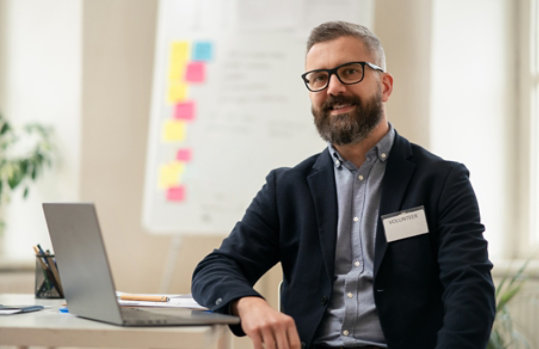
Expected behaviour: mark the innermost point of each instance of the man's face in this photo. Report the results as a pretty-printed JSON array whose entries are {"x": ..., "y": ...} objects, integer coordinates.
[{"x": 345, "y": 114}]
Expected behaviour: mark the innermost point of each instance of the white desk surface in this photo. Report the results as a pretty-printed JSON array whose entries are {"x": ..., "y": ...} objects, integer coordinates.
[{"x": 51, "y": 328}]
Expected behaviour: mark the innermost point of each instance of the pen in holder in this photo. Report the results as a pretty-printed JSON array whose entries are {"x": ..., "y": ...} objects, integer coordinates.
[{"x": 48, "y": 284}]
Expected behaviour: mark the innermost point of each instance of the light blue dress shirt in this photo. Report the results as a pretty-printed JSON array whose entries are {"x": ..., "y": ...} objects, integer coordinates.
[{"x": 351, "y": 318}]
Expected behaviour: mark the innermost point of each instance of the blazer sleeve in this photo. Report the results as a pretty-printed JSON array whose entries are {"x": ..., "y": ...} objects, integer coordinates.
[
  {"x": 464, "y": 267},
  {"x": 229, "y": 272}
]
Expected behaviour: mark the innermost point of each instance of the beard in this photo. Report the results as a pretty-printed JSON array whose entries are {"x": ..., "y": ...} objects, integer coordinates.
[{"x": 348, "y": 128}]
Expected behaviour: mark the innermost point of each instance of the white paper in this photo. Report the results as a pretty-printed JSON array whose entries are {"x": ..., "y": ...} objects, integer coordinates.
[
  {"x": 9, "y": 311},
  {"x": 175, "y": 301}
]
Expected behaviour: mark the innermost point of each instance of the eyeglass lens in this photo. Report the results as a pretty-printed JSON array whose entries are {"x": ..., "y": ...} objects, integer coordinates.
[{"x": 350, "y": 73}]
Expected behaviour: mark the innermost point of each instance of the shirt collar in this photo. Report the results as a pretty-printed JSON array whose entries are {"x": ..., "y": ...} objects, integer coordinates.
[{"x": 380, "y": 150}]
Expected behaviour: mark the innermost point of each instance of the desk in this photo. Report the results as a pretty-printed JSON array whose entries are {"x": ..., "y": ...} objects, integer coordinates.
[{"x": 50, "y": 328}]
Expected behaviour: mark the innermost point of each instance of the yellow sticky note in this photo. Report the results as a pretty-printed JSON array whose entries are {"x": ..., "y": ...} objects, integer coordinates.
[
  {"x": 170, "y": 174},
  {"x": 179, "y": 55},
  {"x": 173, "y": 131},
  {"x": 176, "y": 71},
  {"x": 179, "y": 51},
  {"x": 177, "y": 92}
]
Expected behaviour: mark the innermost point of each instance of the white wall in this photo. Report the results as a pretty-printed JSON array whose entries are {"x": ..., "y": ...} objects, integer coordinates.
[
  {"x": 40, "y": 78},
  {"x": 404, "y": 27},
  {"x": 473, "y": 104}
]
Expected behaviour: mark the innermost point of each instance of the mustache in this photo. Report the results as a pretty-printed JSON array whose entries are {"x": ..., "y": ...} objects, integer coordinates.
[{"x": 333, "y": 100}]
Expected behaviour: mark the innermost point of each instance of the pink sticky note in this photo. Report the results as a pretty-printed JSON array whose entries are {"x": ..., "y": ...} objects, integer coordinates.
[
  {"x": 184, "y": 154},
  {"x": 195, "y": 72},
  {"x": 176, "y": 193},
  {"x": 185, "y": 111}
]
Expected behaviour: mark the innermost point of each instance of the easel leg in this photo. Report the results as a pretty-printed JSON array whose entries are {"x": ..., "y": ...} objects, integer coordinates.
[{"x": 170, "y": 265}]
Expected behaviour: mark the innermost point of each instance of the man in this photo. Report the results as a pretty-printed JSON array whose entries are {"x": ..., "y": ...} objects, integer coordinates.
[{"x": 380, "y": 241}]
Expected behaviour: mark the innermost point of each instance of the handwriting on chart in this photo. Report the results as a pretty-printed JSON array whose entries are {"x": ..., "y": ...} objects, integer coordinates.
[
  {"x": 248, "y": 100},
  {"x": 247, "y": 76},
  {"x": 187, "y": 68}
]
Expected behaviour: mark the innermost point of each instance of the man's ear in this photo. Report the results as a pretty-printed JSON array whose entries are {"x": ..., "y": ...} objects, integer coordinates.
[{"x": 387, "y": 86}]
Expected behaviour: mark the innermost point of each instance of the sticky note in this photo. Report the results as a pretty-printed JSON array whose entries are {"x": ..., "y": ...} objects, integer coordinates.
[
  {"x": 184, "y": 155},
  {"x": 176, "y": 194},
  {"x": 170, "y": 174},
  {"x": 202, "y": 51},
  {"x": 177, "y": 92},
  {"x": 195, "y": 72},
  {"x": 176, "y": 71},
  {"x": 185, "y": 111},
  {"x": 179, "y": 51},
  {"x": 173, "y": 131},
  {"x": 178, "y": 57}
]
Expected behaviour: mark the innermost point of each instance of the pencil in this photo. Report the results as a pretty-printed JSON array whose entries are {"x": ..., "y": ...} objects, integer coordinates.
[
  {"x": 40, "y": 259},
  {"x": 49, "y": 269},
  {"x": 143, "y": 297},
  {"x": 45, "y": 268},
  {"x": 36, "y": 250},
  {"x": 56, "y": 275}
]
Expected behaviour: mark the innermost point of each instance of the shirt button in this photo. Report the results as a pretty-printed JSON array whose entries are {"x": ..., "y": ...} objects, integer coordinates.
[
  {"x": 356, "y": 219},
  {"x": 324, "y": 300},
  {"x": 337, "y": 163},
  {"x": 350, "y": 295},
  {"x": 383, "y": 155},
  {"x": 360, "y": 177},
  {"x": 218, "y": 301},
  {"x": 346, "y": 332},
  {"x": 356, "y": 263}
]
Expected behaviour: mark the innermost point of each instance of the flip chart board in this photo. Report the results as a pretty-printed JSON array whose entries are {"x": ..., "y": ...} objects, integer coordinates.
[{"x": 228, "y": 105}]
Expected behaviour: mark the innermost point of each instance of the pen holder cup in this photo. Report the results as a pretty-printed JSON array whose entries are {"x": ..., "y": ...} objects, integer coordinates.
[{"x": 47, "y": 285}]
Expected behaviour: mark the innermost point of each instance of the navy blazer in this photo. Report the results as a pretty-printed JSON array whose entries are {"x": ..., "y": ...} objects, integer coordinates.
[{"x": 431, "y": 291}]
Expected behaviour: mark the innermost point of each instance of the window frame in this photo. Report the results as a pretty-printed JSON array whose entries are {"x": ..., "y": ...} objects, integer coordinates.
[{"x": 527, "y": 111}]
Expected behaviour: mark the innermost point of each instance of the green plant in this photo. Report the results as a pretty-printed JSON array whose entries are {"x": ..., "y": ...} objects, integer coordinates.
[
  {"x": 504, "y": 335},
  {"x": 24, "y": 155}
]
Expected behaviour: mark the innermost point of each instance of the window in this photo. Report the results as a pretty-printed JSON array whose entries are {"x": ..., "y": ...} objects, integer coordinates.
[
  {"x": 533, "y": 116},
  {"x": 40, "y": 74}
]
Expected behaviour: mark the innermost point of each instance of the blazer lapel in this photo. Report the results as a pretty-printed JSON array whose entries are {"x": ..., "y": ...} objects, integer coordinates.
[
  {"x": 398, "y": 173},
  {"x": 322, "y": 186}
]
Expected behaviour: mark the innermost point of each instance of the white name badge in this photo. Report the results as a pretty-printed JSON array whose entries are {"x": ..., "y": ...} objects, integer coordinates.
[{"x": 405, "y": 224}]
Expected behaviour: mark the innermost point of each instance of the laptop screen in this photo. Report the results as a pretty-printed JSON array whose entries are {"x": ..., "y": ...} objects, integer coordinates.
[{"x": 82, "y": 260}]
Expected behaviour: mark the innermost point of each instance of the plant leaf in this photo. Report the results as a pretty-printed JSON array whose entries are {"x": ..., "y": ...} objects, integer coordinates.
[
  {"x": 508, "y": 295},
  {"x": 5, "y": 128}
]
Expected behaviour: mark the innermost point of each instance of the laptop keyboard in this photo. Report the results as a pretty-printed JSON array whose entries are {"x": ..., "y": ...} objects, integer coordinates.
[{"x": 138, "y": 316}]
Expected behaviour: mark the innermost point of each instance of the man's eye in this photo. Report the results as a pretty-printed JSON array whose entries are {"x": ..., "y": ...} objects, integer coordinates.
[
  {"x": 318, "y": 78},
  {"x": 350, "y": 71}
]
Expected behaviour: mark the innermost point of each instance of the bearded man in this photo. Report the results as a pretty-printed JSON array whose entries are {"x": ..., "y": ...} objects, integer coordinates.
[{"x": 380, "y": 241}]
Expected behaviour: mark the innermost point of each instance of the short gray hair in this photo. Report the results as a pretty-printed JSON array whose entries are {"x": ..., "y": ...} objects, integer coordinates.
[{"x": 332, "y": 30}]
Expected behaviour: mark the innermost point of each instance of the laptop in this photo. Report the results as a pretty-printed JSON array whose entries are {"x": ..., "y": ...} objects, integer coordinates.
[{"x": 87, "y": 280}]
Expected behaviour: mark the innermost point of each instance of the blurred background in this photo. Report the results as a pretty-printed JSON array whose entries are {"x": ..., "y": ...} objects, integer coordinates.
[{"x": 466, "y": 88}]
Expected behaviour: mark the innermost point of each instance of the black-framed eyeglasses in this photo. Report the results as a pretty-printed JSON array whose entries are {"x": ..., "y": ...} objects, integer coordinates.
[{"x": 348, "y": 73}]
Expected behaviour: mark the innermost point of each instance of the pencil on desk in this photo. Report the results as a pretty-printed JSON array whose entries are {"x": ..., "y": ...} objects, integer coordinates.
[{"x": 143, "y": 298}]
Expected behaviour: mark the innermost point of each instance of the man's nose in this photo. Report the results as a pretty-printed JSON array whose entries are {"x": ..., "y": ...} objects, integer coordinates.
[{"x": 335, "y": 86}]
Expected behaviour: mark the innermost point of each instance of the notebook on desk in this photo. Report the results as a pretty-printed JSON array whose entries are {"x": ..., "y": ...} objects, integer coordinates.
[{"x": 87, "y": 280}]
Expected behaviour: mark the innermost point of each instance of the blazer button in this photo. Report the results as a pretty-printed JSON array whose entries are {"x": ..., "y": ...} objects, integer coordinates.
[{"x": 324, "y": 300}]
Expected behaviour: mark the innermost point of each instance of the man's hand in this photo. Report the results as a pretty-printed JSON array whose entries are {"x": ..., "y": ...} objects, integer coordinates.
[{"x": 266, "y": 327}]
